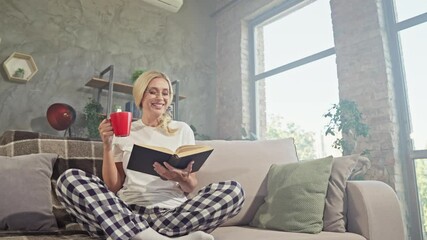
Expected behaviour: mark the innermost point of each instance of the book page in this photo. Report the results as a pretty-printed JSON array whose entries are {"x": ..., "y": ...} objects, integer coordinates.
[
  {"x": 157, "y": 148},
  {"x": 187, "y": 150}
]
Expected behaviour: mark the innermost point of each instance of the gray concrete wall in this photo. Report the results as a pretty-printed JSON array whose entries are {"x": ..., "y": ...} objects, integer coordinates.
[{"x": 72, "y": 40}]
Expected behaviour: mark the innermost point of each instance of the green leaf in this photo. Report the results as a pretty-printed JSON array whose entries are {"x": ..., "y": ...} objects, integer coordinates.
[
  {"x": 136, "y": 74},
  {"x": 345, "y": 118}
]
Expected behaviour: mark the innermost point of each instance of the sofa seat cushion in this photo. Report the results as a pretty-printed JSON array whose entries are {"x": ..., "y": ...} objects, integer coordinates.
[
  {"x": 248, "y": 163},
  {"x": 249, "y": 233}
]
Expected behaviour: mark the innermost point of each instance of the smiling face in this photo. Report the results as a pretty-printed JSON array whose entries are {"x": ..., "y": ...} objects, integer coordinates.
[{"x": 156, "y": 98}]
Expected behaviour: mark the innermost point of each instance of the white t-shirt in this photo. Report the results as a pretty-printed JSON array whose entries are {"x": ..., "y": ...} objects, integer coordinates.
[{"x": 144, "y": 189}]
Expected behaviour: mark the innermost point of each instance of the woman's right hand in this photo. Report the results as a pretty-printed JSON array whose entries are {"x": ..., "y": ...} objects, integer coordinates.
[{"x": 106, "y": 132}]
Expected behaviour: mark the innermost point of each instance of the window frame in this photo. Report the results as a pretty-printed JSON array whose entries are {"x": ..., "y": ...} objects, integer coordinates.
[{"x": 253, "y": 77}]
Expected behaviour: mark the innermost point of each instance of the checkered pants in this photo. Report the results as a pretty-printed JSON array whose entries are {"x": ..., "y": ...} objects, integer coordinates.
[{"x": 103, "y": 214}]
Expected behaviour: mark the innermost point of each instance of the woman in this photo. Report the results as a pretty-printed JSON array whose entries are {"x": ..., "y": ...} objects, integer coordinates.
[{"x": 134, "y": 205}]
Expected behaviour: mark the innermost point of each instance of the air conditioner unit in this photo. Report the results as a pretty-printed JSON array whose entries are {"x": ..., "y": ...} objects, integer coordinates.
[{"x": 169, "y": 5}]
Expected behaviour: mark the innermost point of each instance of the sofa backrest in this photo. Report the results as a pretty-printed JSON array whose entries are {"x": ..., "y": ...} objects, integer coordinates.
[
  {"x": 248, "y": 163},
  {"x": 79, "y": 153}
]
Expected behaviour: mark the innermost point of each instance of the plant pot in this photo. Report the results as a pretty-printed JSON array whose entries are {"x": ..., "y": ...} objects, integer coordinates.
[{"x": 18, "y": 74}]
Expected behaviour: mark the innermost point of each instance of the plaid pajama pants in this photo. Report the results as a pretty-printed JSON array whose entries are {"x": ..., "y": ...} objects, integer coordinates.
[{"x": 104, "y": 215}]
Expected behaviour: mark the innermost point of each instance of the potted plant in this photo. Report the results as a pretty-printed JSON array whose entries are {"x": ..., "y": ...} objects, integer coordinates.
[
  {"x": 345, "y": 118},
  {"x": 93, "y": 115},
  {"x": 131, "y": 106},
  {"x": 136, "y": 74},
  {"x": 19, "y": 73}
]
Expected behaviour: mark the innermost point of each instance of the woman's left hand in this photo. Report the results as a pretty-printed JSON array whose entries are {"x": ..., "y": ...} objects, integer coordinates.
[{"x": 174, "y": 174}]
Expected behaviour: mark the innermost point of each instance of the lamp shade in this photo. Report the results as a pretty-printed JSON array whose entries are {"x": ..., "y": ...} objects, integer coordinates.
[{"x": 60, "y": 116}]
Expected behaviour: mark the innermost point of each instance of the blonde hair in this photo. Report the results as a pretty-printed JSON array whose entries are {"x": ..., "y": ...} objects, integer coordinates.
[{"x": 139, "y": 88}]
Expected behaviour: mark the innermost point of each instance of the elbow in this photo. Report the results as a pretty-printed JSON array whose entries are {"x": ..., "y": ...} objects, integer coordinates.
[
  {"x": 114, "y": 189},
  {"x": 113, "y": 186}
]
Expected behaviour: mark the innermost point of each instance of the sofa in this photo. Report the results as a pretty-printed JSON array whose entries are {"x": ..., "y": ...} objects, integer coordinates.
[{"x": 351, "y": 209}]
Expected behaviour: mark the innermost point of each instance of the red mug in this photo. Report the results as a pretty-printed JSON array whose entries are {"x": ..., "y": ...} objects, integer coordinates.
[{"x": 120, "y": 121}]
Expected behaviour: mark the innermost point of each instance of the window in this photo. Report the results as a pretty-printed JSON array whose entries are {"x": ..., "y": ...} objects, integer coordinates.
[
  {"x": 414, "y": 53},
  {"x": 295, "y": 71},
  {"x": 409, "y": 8},
  {"x": 296, "y": 34}
]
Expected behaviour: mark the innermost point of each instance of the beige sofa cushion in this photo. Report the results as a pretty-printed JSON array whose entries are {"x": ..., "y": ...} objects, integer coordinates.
[
  {"x": 25, "y": 202},
  {"x": 248, "y": 233},
  {"x": 334, "y": 217},
  {"x": 247, "y": 162}
]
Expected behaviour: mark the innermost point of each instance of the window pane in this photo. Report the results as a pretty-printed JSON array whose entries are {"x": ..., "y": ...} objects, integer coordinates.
[
  {"x": 421, "y": 173},
  {"x": 409, "y": 8},
  {"x": 296, "y": 35},
  {"x": 296, "y": 101},
  {"x": 414, "y": 51}
]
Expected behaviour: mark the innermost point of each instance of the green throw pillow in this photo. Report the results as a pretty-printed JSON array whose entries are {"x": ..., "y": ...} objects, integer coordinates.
[{"x": 296, "y": 197}]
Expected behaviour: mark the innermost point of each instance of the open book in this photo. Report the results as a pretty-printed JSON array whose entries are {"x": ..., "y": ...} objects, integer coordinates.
[{"x": 143, "y": 157}]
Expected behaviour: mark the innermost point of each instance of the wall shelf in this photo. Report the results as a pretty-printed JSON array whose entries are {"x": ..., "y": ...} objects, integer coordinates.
[
  {"x": 103, "y": 84},
  {"x": 100, "y": 83},
  {"x": 20, "y": 60}
]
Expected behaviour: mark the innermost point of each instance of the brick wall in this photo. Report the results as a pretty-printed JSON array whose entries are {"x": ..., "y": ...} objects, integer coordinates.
[{"x": 365, "y": 76}]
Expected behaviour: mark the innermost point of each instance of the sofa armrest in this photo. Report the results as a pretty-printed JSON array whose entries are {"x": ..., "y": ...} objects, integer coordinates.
[{"x": 374, "y": 211}]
